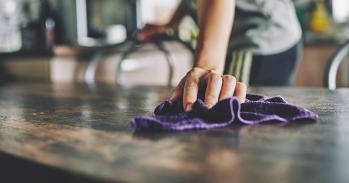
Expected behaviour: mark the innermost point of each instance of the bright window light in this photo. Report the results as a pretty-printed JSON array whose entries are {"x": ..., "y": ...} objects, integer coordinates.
[{"x": 340, "y": 10}]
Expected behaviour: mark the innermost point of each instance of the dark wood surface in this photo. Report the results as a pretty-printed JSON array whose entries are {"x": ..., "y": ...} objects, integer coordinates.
[{"x": 73, "y": 133}]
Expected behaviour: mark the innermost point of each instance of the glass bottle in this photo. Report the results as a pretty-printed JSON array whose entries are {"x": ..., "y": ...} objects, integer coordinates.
[{"x": 10, "y": 36}]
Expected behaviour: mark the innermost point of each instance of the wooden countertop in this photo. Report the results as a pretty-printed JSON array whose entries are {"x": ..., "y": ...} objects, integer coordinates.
[{"x": 72, "y": 133}]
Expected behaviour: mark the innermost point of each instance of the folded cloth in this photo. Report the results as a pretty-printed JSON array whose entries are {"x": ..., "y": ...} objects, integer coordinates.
[{"x": 256, "y": 109}]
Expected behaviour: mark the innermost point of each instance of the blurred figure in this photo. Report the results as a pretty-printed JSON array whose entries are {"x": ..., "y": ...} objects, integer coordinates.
[{"x": 152, "y": 32}]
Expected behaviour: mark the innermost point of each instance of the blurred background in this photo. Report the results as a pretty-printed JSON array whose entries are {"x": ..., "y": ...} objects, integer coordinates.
[{"x": 92, "y": 41}]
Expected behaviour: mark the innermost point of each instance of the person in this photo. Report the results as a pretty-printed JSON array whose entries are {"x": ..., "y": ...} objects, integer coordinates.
[{"x": 263, "y": 39}]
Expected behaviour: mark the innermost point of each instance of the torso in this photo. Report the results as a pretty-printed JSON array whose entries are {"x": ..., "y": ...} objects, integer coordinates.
[{"x": 265, "y": 26}]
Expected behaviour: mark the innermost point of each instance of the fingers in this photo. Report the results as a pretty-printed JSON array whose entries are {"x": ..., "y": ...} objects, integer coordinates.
[
  {"x": 228, "y": 87},
  {"x": 177, "y": 92},
  {"x": 217, "y": 88},
  {"x": 240, "y": 91},
  {"x": 214, "y": 85},
  {"x": 190, "y": 93},
  {"x": 191, "y": 88}
]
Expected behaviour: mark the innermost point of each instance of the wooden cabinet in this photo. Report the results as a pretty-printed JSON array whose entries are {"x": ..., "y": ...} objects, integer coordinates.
[{"x": 311, "y": 69}]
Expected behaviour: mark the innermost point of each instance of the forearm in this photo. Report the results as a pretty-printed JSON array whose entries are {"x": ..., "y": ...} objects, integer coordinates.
[
  {"x": 215, "y": 21},
  {"x": 178, "y": 15}
]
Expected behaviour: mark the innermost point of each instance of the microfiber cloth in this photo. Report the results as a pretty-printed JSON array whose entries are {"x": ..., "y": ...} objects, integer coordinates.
[{"x": 257, "y": 109}]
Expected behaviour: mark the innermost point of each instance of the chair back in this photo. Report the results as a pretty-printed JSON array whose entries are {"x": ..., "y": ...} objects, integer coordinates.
[{"x": 333, "y": 64}]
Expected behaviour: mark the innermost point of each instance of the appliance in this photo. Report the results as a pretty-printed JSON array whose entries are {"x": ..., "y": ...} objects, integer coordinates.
[{"x": 87, "y": 22}]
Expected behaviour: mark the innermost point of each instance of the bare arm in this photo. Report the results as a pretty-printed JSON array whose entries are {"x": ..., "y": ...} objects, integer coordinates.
[
  {"x": 178, "y": 15},
  {"x": 215, "y": 21},
  {"x": 151, "y": 31}
]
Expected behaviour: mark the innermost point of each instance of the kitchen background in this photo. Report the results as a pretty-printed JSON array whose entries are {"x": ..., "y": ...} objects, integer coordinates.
[{"x": 55, "y": 40}]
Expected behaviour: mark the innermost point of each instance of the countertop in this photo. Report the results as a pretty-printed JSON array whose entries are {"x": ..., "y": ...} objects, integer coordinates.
[{"x": 76, "y": 133}]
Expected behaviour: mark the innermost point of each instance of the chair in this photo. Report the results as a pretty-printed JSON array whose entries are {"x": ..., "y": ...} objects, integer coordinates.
[{"x": 333, "y": 64}]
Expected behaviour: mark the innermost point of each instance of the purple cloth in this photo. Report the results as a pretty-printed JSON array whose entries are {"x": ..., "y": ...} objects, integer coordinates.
[{"x": 256, "y": 109}]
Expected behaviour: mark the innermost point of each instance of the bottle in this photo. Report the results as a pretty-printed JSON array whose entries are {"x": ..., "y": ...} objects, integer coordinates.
[
  {"x": 10, "y": 37},
  {"x": 319, "y": 22},
  {"x": 38, "y": 32},
  {"x": 48, "y": 24}
]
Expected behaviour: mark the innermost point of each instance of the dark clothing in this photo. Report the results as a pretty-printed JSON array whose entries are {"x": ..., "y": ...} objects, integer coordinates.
[
  {"x": 264, "y": 70},
  {"x": 275, "y": 70}
]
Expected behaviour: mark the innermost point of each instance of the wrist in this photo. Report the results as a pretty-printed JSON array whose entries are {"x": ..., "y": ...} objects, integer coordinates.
[
  {"x": 217, "y": 68},
  {"x": 210, "y": 62},
  {"x": 172, "y": 25},
  {"x": 210, "y": 57}
]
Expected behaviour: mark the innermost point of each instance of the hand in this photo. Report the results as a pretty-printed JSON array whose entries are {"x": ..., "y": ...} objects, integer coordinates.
[
  {"x": 216, "y": 87},
  {"x": 151, "y": 32}
]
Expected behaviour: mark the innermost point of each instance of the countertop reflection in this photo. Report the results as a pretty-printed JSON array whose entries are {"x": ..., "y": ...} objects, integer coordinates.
[{"x": 86, "y": 132}]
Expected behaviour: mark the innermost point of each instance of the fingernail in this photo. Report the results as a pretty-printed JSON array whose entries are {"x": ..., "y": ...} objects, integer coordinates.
[
  {"x": 241, "y": 100},
  {"x": 208, "y": 105},
  {"x": 172, "y": 99},
  {"x": 188, "y": 107}
]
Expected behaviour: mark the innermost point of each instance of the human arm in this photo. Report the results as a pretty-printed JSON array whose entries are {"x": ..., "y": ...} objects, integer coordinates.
[
  {"x": 151, "y": 31},
  {"x": 215, "y": 22}
]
